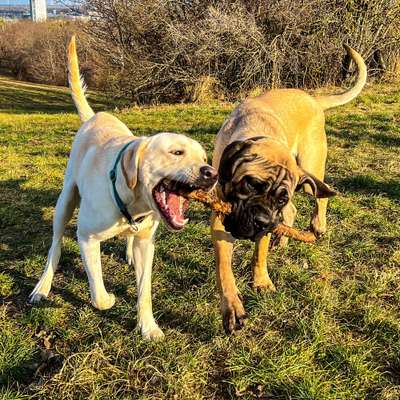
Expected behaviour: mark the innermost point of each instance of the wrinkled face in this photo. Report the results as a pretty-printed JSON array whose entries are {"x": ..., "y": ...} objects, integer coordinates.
[
  {"x": 259, "y": 177},
  {"x": 173, "y": 165}
]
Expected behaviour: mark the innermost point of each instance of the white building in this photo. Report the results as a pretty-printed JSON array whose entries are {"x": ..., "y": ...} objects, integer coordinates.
[{"x": 38, "y": 10}]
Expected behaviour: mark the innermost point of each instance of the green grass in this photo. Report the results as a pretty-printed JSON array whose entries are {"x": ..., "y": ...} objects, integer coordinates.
[{"x": 332, "y": 330}]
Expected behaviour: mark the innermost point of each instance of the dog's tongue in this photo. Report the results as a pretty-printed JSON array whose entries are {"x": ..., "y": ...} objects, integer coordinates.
[{"x": 175, "y": 207}]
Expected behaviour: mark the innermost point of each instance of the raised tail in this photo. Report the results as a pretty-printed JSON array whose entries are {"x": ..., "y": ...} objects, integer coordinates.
[
  {"x": 77, "y": 84},
  {"x": 339, "y": 99}
]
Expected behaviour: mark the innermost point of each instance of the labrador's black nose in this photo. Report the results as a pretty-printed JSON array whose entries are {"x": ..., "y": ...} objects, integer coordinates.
[{"x": 208, "y": 173}]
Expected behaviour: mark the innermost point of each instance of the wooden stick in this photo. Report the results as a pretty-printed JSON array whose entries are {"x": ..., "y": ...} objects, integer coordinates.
[
  {"x": 211, "y": 200},
  {"x": 303, "y": 236},
  {"x": 225, "y": 208}
]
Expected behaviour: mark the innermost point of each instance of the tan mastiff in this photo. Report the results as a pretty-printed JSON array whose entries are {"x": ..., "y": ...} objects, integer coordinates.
[{"x": 269, "y": 147}]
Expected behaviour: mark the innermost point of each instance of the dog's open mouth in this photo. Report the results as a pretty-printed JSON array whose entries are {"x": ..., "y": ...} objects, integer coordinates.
[{"x": 170, "y": 200}]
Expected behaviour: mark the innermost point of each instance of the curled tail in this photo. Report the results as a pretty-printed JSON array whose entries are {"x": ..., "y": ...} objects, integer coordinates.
[
  {"x": 76, "y": 83},
  {"x": 339, "y": 99}
]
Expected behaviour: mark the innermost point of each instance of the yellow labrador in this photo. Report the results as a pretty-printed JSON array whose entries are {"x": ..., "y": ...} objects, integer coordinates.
[{"x": 124, "y": 185}]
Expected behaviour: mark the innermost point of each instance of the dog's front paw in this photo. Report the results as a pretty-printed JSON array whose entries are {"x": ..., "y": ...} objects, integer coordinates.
[
  {"x": 154, "y": 334},
  {"x": 233, "y": 314},
  {"x": 35, "y": 298},
  {"x": 104, "y": 302},
  {"x": 264, "y": 285}
]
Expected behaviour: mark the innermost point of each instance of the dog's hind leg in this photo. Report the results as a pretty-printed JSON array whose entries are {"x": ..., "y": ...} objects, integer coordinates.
[
  {"x": 312, "y": 158},
  {"x": 65, "y": 206},
  {"x": 143, "y": 253},
  {"x": 261, "y": 279},
  {"x": 318, "y": 218}
]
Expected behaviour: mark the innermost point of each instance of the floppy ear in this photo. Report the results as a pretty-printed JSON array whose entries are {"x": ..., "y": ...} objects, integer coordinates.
[
  {"x": 231, "y": 152},
  {"x": 233, "y": 156},
  {"x": 131, "y": 161},
  {"x": 320, "y": 189}
]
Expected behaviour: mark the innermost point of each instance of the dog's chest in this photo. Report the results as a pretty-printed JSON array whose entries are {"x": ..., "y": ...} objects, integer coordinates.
[
  {"x": 126, "y": 229},
  {"x": 123, "y": 229}
]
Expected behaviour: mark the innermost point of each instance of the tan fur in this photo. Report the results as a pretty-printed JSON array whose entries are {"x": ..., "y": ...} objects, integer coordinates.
[
  {"x": 293, "y": 124},
  {"x": 261, "y": 279}
]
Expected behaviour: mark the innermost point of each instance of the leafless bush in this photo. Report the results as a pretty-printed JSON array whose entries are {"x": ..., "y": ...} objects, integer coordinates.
[
  {"x": 163, "y": 50},
  {"x": 36, "y": 51},
  {"x": 184, "y": 50}
]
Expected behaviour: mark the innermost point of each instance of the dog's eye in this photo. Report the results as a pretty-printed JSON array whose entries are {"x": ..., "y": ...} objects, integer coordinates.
[
  {"x": 283, "y": 198},
  {"x": 282, "y": 201},
  {"x": 177, "y": 152},
  {"x": 254, "y": 184}
]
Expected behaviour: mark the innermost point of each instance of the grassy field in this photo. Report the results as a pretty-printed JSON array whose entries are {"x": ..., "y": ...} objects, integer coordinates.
[{"x": 331, "y": 331}]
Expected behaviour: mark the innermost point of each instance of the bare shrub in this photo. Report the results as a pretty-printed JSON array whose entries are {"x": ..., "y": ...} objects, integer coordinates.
[
  {"x": 37, "y": 51},
  {"x": 204, "y": 90},
  {"x": 162, "y": 50}
]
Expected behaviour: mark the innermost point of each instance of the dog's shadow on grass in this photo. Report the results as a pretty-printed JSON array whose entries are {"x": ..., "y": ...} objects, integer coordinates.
[
  {"x": 22, "y": 227},
  {"x": 365, "y": 184},
  {"x": 25, "y": 236},
  {"x": 355, "y": 129},
  {"x": 27, "y": 98}
]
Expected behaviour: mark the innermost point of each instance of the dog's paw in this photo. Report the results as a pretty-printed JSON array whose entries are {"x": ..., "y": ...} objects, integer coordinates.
[
  {"x": 318, "y": 227},
  {"x": 35, "y": 298},
  {"x": 318, "y": 232},
  {"x": 154, "y": 334},
  {"x": 264, "y": 285},
  {"x": 105, "y": 302},
  {"x": 233, "y": 314},
  {"x": 40, "y": 292}
]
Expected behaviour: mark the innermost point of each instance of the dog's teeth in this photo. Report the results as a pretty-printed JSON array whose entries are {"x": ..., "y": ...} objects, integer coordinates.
[
  {"x": 163, "y": 197},
  {"x": 185, "y": 221}
]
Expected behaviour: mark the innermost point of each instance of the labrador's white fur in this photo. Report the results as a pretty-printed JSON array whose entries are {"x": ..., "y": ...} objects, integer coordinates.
[{"x": 145, "y": 162}]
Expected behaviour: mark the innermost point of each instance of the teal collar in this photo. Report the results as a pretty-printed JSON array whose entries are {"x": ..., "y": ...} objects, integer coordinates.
[{"x": 121, "y": 205}]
